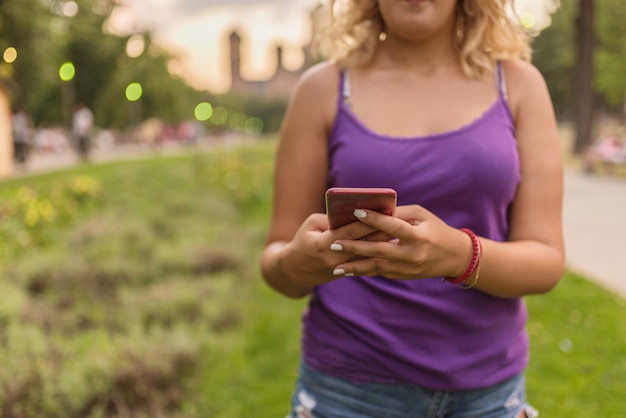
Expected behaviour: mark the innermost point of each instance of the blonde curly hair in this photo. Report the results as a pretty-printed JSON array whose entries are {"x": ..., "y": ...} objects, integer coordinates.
[{"x": 486, "y": 31}]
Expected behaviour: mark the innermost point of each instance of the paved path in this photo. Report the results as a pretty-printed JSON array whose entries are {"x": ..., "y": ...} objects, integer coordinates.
[
  {"x": 42, "y": 162},
  {"x": 594, "y": 218}
]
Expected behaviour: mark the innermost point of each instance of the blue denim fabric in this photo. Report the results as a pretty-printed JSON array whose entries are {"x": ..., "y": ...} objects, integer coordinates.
[{"x": 320, "y": 396}]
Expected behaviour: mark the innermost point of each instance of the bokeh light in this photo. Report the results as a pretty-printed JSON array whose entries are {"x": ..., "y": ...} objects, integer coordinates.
[
  {"x": 203, "y": 111},
  {"x": 236, "y": 121},
  {"x": 67, "y": 71},
  {"x": 219, "y": 116},
  {"x": 10, "y": 55},
  {"x": 70, "y": 8},
  {"x": 528, "y": 20},
  {"x": 253, "y": 126},
  {"x": 135, "y": 46},
  {"x": 133, "y": 92}
]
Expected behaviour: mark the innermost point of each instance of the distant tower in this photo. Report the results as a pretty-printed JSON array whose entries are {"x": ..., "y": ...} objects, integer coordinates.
[
  {"x": 279, "y": 58},
  {"x": 281, "y": 83},
  {"x": 235, "y": 60}
]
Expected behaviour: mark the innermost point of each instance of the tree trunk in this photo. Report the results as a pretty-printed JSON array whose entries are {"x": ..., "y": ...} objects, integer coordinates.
[{"x": 584, "y": 75}]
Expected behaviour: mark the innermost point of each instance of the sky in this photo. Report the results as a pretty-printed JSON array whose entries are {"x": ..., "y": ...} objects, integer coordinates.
[{"x": 197, "y": 32}]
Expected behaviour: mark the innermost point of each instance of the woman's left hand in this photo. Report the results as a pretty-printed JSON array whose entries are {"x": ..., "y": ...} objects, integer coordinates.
[{"x": 424, "y": 246}]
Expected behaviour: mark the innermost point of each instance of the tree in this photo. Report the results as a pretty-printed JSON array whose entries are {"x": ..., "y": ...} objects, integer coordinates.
[
  {"x": 163, "y": 96},
  {"x": 559, "y": 56},
  {"x": 554, "y": 54},
  {"x": 94, "y": 54},
  {"x": 610, "y": 57},
  {"x": 50, "y": 33},
  {"x": 29, "y": 27},
  {"x": 585, "y": 42}
]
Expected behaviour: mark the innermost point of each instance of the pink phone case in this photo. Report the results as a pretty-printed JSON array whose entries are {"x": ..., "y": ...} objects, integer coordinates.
[{"x": 342, "y": 201}]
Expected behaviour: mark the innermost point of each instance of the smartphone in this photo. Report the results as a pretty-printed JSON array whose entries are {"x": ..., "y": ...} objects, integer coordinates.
[{"x": 342, "y": 201}]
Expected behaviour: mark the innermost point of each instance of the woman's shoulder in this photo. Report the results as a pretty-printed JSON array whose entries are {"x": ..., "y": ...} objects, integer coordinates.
[
  {"x": 520, "y": 70},
  {"x": 317, "y": 90},
  {"x": 524, "y": 82},
  {"x": 315, "y": 96},
  {"x": 522, "y": 77},
  {"x": 320, "y": 77}
]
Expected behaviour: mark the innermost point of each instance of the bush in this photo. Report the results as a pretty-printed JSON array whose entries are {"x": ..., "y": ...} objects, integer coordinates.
[
  {"x": 120, "y": 276},
  {"x": 31, "y": 215}
]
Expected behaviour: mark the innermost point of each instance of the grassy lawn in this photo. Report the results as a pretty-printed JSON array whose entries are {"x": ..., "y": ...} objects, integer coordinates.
[
  {"x": 578, "y": 351},
  {"x": 131, "y": 289}
]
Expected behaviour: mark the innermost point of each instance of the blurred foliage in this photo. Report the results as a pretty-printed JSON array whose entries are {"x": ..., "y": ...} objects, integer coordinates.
[
  {"x": 611, "y": 54},
  {"x": 555, "y": 55},
  {"x": 31, "y": 215},
  {"x": 126, "y": 311},
  {"x": 45, "y": 38},
  {"x": 271, "y": 111},
  {"x": 46, "y": 35},
  {"x": 164, "y": 96},
  {"x": 36, "y": 34}
]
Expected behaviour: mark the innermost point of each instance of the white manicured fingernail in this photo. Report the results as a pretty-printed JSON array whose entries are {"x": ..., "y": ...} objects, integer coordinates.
[
  {"x": 360, "y": 213},
  {"x": 336, "y": 247}
]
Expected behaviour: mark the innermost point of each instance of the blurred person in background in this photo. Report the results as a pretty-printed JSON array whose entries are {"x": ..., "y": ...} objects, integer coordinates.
[
  {"x": 82, "y": 125},
  {"x": 421, "y": 314},
  {"x": 21, "y": 130},
  {"x": 607, "y": 152}
]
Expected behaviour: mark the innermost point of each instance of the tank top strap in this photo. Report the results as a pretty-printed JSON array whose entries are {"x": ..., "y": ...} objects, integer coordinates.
[
  {"x": 501, "y": 81},
  {"x": 345, "y": 88}
]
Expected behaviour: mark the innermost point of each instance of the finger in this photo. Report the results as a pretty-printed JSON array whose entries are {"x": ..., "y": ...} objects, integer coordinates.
[
  {"x": 377, "y": 236},
  {"x": 367, "y": 249},
  {"x": 391, "y": 225},
  {"x": 413, "y": 213},
  {"x": 317, "y": 221},
  {"x": 364, "y": 267},
  {"x": 353, "y": 231}
]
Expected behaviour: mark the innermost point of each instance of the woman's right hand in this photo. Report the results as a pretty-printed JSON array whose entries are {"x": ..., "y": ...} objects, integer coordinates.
[{"x": 307, "y": 259}]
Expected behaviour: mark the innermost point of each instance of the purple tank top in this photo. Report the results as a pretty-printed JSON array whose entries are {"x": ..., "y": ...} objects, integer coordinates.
[{"x": 423, "y": 332}]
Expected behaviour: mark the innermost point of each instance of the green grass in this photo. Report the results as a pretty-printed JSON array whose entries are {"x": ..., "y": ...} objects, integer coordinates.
[
  {"x": 578, "y": 351},
  {"x": 145, "y": 299}
]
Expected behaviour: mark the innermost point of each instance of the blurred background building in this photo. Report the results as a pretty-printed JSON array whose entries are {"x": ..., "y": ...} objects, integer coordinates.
[{"x": 280, "y": 84}]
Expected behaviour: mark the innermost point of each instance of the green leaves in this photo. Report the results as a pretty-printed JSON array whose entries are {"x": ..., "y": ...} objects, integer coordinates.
[
  {"x": 30, "y": 215},
  {"x": 554, "y": 54}
]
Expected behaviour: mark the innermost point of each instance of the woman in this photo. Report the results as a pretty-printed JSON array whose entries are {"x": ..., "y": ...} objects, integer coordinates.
[{"x": 423, "y": 316}]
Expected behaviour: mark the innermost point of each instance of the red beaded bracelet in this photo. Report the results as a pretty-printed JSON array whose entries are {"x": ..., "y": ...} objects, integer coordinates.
[{"x": 477, "y": 250}]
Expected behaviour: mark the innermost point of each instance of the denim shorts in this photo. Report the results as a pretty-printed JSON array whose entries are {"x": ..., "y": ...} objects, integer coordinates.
[{"x": 318, "y": 395}]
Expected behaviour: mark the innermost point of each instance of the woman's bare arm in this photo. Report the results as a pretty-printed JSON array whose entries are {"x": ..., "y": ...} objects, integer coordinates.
[{"x": 300, "y": 181}]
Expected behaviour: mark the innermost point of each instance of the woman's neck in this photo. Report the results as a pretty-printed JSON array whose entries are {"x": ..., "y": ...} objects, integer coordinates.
[{"x": 423, "y": 57}]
